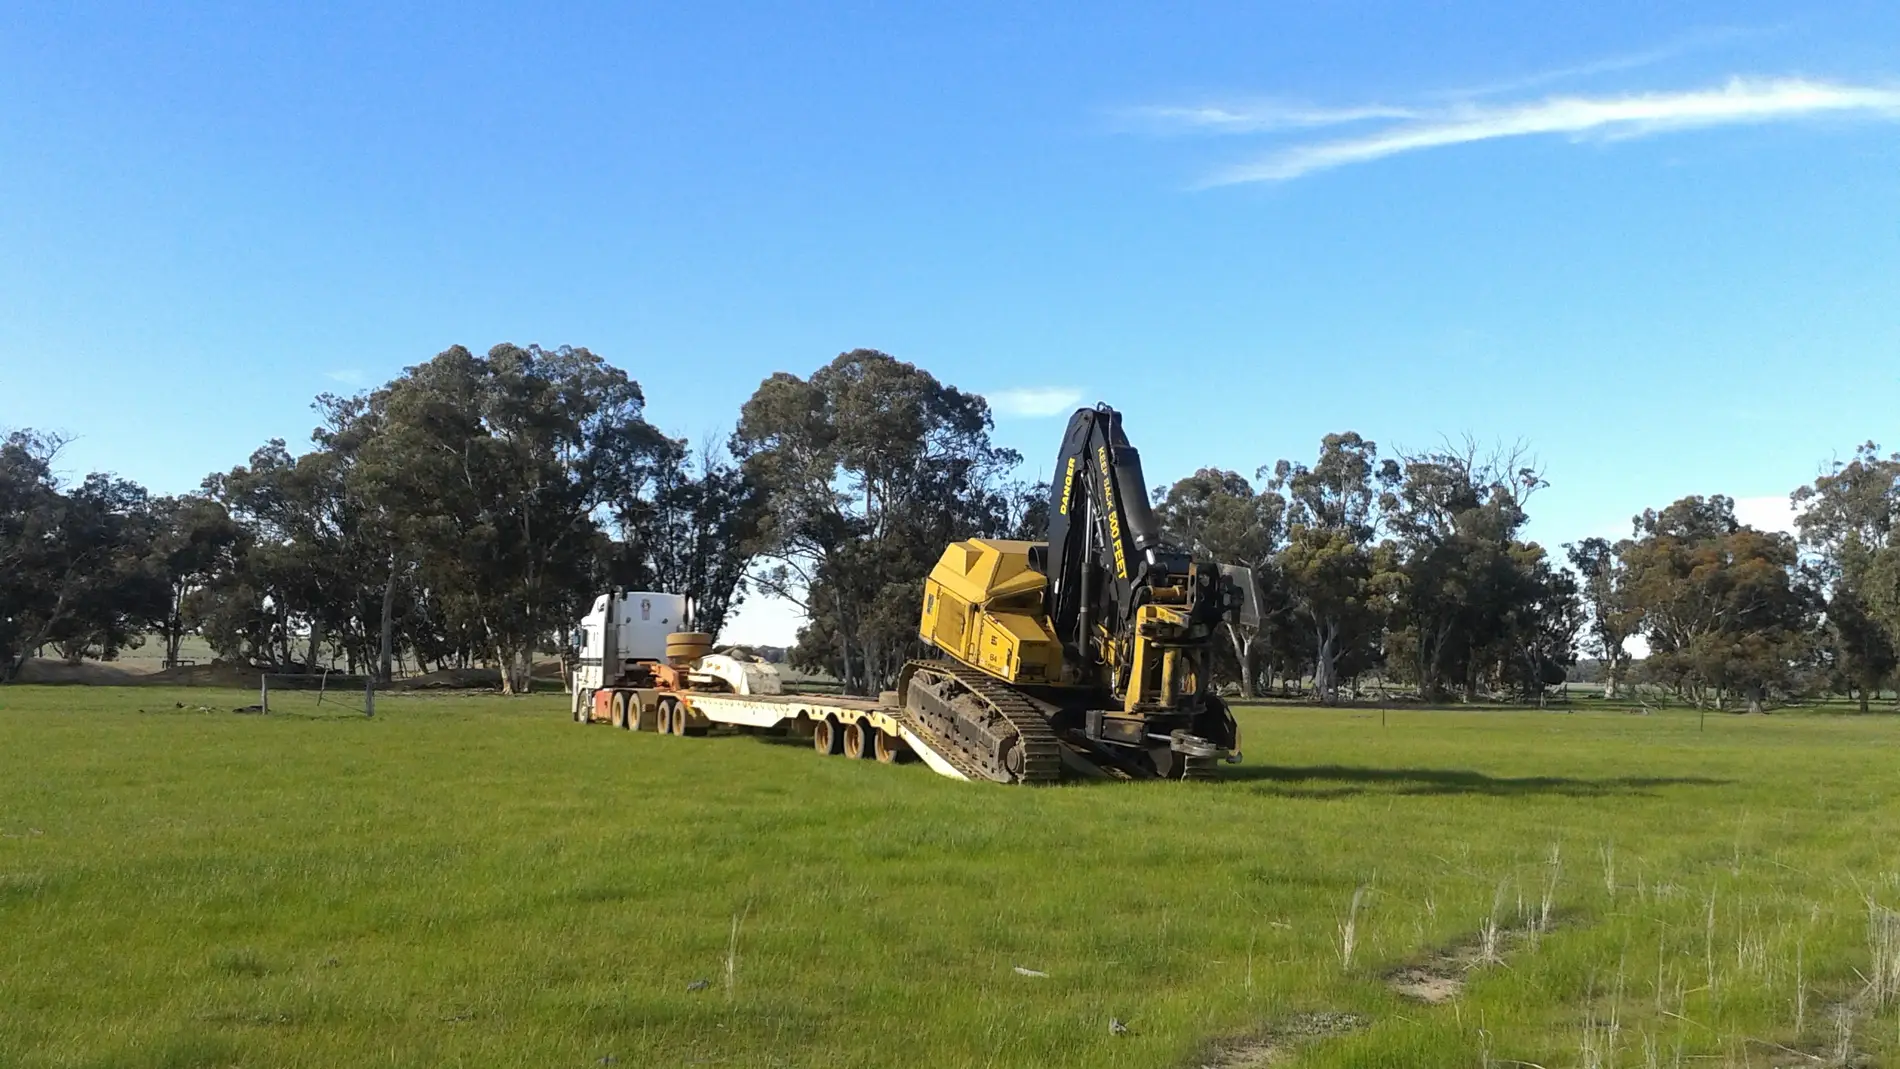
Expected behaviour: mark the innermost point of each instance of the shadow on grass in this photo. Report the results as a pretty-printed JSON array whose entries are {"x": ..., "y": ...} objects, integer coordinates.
[{"x": 1336, "y": 781}]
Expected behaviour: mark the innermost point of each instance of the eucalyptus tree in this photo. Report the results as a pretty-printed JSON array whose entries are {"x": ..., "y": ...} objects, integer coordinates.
[
  {"x": 1219, "y": 516},
  {"x": 1847, "y": 519},
  {"x": 1338, "y": 586},
  {"x": 1473, "y": 596},
  {"x": 69, "y": 556},
  {"x": 492, "y": 476},
  {"x": 868, "y": 470},
  {"x": 1724, "y": 607}
]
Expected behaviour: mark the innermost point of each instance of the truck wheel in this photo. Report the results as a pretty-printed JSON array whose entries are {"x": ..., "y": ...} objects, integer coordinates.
[
  {"x": 826, "y": 738},
  {"x": 618, "y": 705},
  {"x": 663, "y": 716},
  {"x": 861, "y": 741},
  {"x": 891, "y": 749},
  {"x": 680, "y": 718},
  {"x": 690, "y": 725}
]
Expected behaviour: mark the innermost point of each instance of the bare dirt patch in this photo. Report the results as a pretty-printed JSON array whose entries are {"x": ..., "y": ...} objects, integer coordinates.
[
  {"x": 1277, "y": 1040},
  {"x": 1439, "y": 976},
  {"x": 1430, "y": 984}
]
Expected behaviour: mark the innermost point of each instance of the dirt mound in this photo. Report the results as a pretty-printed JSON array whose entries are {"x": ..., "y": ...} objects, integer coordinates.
[
  {"x": 545, "y": 672},
  {"x": 85, "y": 673},
  {"x": 214, "y": 674},
  {"x": 226, "y": 674},
  {"x": 452, "y": 679},
  {"x": 94, "y": 673}
]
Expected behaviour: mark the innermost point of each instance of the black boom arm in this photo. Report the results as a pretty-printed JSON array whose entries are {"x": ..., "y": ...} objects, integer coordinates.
[{"x": 1103, "y": 538}]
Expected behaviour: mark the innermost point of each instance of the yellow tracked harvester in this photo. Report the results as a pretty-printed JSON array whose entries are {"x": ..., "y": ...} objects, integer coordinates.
[{"x": 1092, "y": 651}]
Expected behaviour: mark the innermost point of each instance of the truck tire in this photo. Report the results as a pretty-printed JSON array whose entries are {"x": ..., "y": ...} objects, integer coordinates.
[
  {"x": 860, "y": 740},
  {"x": 620, "y": 706},
  {"x": 685, "y": 647},
  {"x": 690, "y": 724},
  {"x": 826, "y": 738},
  {"x": 891, "y": 749}
]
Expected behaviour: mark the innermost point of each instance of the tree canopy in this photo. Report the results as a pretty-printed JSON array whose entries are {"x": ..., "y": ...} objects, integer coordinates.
[{"x": 467, "y": 512}]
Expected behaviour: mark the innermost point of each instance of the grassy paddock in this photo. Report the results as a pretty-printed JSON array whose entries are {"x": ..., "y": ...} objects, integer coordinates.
[{"x": 476, "y": 881}]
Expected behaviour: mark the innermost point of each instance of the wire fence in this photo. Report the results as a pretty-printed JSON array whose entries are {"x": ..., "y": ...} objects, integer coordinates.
[{"x": 331, "y": 693}]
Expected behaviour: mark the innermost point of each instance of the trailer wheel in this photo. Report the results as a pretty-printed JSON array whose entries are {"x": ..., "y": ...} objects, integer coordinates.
[
  {"x": 860, "y": 740},
  {"x": 663, "y": 716},
  {"x": 826, "y": 738},
  {"x": 891, "y": 749},
  {"x": 681, "y": 719},
  {"x": 685, "y": 723}
]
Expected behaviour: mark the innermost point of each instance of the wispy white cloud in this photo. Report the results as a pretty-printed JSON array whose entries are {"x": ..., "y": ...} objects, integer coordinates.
[
  {"x": 1739, "y": 101},
  {"x": 348, "y": 376},
  {"x": 1032, "y": 402},
  {"x": 1264, "y": 115},
  {"x": 1608, "y": 65},
  {"x": 1693, "y": 41},
  {"x": 1260, "y": 115}
]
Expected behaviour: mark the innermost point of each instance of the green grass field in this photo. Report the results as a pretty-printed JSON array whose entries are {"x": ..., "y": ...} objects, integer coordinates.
[{"x": 476, "y": 881}]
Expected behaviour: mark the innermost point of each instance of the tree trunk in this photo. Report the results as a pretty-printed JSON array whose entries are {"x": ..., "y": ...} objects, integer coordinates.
[
  {"x": 1243, "y": 648},
  {"x": 316, "y": 640},
  {"x": 174, "y": 630},
  {"x": 1755, "y": 700},
  {"x": 517, "y": 669},
  {"x": 387, "y": 649},
  {"x": 1325, "y": 678}
]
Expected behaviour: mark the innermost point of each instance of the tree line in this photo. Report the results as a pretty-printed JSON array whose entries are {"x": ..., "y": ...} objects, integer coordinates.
[{"x": 468, "y": 511}]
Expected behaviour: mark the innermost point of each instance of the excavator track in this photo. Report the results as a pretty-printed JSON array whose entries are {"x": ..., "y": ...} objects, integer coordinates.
[{"x": 978, "y": 724}]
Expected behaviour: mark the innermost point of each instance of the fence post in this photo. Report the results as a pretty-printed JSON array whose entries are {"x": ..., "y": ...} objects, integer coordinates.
[
  {"x": 369, "y": 697},
  {"x": 263, "y": 693}
]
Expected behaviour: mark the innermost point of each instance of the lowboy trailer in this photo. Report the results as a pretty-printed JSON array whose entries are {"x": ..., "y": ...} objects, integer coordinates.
[
  {"x": 638, "y": 671},
  {"x": 849, "y": 727}
]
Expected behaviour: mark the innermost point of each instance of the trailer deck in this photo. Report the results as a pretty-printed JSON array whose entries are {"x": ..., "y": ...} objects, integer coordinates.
[{"x": 837, "y": 725}]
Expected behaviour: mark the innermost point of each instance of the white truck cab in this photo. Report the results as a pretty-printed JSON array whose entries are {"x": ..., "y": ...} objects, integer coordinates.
[
  {"x": 623, "y": 637},
  {"x": 624, "y": 627}
]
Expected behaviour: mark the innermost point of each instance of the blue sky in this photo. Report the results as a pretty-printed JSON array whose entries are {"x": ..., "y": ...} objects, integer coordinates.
[{"x": 1659, "y": 242}]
